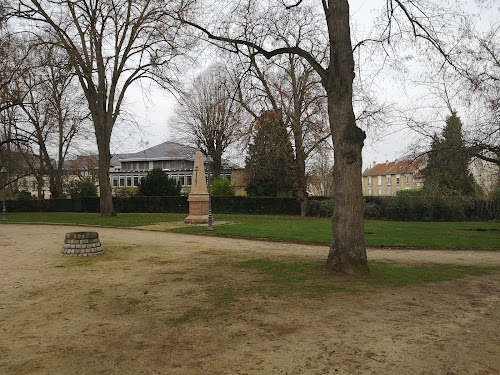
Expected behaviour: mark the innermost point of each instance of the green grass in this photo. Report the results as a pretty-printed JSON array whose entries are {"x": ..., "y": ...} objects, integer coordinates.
[
  {"x": 310, "y": 279},
  {"x": 387, "y": 274},
  {"x": 442, "y": 235},
  {"x": 120, "y": 220},
  {"x": 291, "y": 277}
]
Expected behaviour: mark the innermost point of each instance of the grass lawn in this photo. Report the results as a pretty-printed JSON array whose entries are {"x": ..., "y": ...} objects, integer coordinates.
[
  {"x": 447, "y": 235},
  {"x": 121, "y": 220}
]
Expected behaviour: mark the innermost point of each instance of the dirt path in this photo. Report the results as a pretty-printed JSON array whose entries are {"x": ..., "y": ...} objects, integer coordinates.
[{"x": 147, "y": 307}]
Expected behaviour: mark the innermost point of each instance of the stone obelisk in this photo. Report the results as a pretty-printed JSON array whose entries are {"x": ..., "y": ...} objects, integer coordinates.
[{"x": 198, "y": 197}]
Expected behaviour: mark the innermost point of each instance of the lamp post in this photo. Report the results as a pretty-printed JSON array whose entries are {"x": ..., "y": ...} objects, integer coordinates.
[
  {"x": 210, "y": 217},
  {"x": 4, "y": 210}
]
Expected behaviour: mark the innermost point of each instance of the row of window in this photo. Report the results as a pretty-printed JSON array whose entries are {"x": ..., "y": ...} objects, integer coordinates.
[
  {"x": 389, "y": 178},
  {"x": 140, "y": 166},
  {"x": 133, "y": 181},
  {"x": 389, "y": 190}
]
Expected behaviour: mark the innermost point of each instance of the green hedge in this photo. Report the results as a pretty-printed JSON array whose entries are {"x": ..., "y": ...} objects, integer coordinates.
[
  {"x": 417, "y": 208},
  {"x": 256, "y": 205},
  {"x": 176, "y": 204},
  {"x": 431, "y": 208},
  {"x": 230, "y": 205},
  {"x": 401, "y": 208}
]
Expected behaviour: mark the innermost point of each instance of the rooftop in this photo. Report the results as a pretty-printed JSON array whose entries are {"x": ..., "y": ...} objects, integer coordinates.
[{"x": 395, "y": 167}]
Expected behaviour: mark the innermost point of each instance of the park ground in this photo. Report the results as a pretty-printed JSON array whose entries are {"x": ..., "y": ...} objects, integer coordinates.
[{"x": 169, "y": 303}]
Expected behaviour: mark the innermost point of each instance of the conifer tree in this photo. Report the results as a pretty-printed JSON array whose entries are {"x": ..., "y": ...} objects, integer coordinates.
[
  {"x": 268, "y": 160},
  {"x": 447, "y": 169}
]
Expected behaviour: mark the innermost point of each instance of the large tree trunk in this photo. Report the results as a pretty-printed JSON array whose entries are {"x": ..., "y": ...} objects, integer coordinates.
[
  {"x": 103, "y": 136},
  {"x": 347, "y": 251}
]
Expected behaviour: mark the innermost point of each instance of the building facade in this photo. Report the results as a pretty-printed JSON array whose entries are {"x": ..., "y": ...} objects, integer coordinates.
[
  {"x": 174, "y": 159},
  {"x": 386, "y": 179}
]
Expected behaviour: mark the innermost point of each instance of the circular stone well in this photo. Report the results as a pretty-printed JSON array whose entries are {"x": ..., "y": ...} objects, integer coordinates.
[{"x": 82, "y": 244}]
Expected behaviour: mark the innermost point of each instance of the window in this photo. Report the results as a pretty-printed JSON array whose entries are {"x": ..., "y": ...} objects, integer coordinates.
[
  {"x": 122, "y": 181},
  {"x": 129, "y": 181},
  {"x": 418, "y": 185},
  {"x": 182, "y": 180},
  {"x": 189, "y": 180},
  {"x": 388, "y": 180},
  {"x": 389, "y": 192},
  {"x": 379, "y": 192},
  {"x": 407, "y": 179},
  {"x": 136, "y": 181},
  {"x": 379, "y": 180},
  {"x": 115, "y": 181},
  {"x": 228, "y": 176},
  {"x": 369, "y": 180},
  {"x": 370, "y": 193},
  {"x": 398, "y": 179}
]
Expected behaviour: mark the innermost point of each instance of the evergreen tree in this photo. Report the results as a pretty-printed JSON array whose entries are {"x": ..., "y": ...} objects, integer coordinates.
[
  {"x": 447, "y": 170},
  {"x": 268, "y": 160},
  {"x": 156, "y": 184}
]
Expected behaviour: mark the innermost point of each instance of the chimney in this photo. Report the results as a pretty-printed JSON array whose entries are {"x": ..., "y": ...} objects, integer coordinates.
[
  {"x": 374, "y": 164},
  {"x": 387, "y": 162}
]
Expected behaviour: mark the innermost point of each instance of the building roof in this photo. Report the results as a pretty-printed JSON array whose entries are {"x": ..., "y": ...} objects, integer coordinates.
[
  {"x": 395, "y": 167},
  {"x": 163, "y": 151}
]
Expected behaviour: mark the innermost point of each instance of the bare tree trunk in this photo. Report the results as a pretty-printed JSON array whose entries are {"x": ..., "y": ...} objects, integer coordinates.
[
  {"x": 103, "y": 147},
  {"x": 347, "y": 251}
]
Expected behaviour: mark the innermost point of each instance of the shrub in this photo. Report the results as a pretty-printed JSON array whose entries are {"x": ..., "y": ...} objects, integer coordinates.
[
  {"x": 157, "y": 184},
  {"x": 373, "y": 210},
  {"x": 82, "y": 189},
  {"x": 124, "y": 192},
  {"x": 18, "y": 195},
  {"x": 320, "y": 208},
  {"x": 410, "y": 193},
  {"x": 222, "y": 188}
]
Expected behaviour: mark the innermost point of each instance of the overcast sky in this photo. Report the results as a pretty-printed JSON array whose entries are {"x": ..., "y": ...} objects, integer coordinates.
[{"x": 154, "y": 110}]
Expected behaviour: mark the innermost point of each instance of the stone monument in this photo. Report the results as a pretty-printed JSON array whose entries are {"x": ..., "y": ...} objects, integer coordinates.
[{"x": 198, "y": 197}]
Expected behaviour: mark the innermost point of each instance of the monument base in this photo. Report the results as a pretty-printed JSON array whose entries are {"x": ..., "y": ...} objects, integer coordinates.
[{"x": 198, "y": 209}]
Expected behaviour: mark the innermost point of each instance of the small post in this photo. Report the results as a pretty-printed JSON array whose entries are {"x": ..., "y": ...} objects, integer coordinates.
[
  {"x": 4, "y": 184},
  {"x": 210, "y": 227}
]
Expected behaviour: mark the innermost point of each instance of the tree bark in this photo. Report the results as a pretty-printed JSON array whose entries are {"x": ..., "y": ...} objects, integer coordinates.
[
  {"x": 103, "y": 136},
  {"x": 347, "y": 251}
]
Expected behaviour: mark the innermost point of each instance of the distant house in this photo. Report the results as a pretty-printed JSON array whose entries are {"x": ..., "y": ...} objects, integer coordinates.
[
  {"x": 175, "y": 159},
  {"x": 385, "y": 179}
]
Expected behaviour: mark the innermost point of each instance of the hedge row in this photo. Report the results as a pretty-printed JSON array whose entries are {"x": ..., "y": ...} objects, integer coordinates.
[
  {"x": 418, "y": 208},
  {"x": 228, "y": 205},
  {"x": 404, "y": 208}
]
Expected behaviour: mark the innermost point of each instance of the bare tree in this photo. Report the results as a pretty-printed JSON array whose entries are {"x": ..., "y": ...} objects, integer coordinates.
[
  {"x": 110, "y": 45},
  {"x": 347, "y": 252},
  {"x": 471, "y": 85},
  {"x": 291, "y": 87},
  {"x": 481, "y": 68},
  {"x": 52, "y": 111},
  {"x": 209, "y": 116}
]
